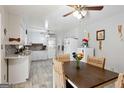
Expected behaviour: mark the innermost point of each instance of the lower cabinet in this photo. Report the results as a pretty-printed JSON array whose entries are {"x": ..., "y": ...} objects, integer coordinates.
[
  {"x": 39, "y": 55},
  {"x": 18, "y": 70}
]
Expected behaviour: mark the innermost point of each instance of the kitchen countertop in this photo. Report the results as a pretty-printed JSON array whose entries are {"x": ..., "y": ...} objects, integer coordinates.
[
  {"x": 18, "y": 56},
  {"x": 15, "y": 56}
]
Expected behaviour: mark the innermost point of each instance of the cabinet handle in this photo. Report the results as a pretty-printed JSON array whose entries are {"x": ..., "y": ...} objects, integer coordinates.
[
  {"x": 5, "y": 31},
  {"x": 26, "y": 32}
]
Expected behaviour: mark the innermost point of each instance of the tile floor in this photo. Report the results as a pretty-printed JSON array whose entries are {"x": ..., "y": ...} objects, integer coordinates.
[{"x": 40, "y": 76}]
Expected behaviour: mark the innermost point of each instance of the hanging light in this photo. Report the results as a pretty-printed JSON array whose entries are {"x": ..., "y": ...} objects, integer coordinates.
[
  {"x": 79, "y": 14},
  {"x": 83, "y": 12},
  {"x": 76, "y": 13}
]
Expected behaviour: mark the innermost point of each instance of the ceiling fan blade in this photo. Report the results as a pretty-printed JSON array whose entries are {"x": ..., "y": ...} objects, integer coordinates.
[
  {"x": 93, "y": 8},
  {"x": 68, "y": 14},
  {"x": 74, "y": 6},
  {"x": 71, "y": 6}
]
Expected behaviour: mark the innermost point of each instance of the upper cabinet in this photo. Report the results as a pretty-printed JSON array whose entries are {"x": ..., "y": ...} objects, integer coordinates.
[{"x": 16, "y": 33}]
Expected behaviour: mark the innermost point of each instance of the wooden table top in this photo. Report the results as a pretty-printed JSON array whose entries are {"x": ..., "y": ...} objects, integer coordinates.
[{"x": 87, "y": 76}]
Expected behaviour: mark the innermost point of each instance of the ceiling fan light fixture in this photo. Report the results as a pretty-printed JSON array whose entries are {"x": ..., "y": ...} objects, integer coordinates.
[
  {"x": 83, "y": 12},
  {"x": 75, "y": 14},
  {"x": 79, "y": 16}
]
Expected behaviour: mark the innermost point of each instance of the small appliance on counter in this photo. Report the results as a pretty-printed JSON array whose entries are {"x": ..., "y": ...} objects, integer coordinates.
[{"x": 19, "y": 49}]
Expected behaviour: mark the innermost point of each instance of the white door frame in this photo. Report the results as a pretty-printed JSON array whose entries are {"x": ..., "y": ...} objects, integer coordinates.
[{"x": 0, "y": 48}]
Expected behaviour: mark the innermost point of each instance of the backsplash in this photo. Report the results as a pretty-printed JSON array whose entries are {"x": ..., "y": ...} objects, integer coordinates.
[
  {"x": 10, "y": 49},
  {"x": 38, "y": 47}
]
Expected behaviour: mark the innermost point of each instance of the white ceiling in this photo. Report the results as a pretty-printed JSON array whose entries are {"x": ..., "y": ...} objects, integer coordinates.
[{"x": 35, "y": 15}]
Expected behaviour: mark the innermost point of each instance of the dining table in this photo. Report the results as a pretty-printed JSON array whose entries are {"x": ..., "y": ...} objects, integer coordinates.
[{"x": 88, "y": 76}]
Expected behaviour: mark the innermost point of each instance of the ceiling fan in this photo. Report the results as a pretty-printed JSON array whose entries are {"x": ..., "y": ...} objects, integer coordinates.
[{"x": 82, "y": 10}]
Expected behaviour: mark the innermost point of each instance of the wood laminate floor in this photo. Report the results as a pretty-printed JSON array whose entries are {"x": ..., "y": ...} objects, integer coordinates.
[{"x": 40, "y": 76}]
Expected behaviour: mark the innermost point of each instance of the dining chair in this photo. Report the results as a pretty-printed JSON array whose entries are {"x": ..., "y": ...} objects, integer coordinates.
[
  {"x": 96, "y": 61},
  {"x": 63, "y": 57},
  {"x": 120, "y": 81},
  {"x": 58, "y": 73}
]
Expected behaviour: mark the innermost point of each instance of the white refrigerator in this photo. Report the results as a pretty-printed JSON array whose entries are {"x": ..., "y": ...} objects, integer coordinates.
[
  {"x": 70, "y": 46},
  {"x": 51, "y": 47}
]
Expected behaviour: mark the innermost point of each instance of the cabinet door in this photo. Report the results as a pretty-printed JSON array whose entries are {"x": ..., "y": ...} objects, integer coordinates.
[
  {"x": 15, "y": 29},
  {"x": 18, "y": 70},
  {"x": 34, "y": 55},
  {"x": 13, "y": 26}
]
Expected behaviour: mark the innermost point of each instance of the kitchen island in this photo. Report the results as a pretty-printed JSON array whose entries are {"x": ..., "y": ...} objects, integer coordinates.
[{"x": 18, "y": 68}]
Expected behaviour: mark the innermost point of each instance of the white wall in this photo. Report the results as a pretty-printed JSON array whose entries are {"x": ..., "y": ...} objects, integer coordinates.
[
  {"x": 113, "y": 48},
  {"x": 3, "y": 65}
]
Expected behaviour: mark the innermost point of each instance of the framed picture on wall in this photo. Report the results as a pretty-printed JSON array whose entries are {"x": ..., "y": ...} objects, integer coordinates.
[{"x": 100, "y": 35}]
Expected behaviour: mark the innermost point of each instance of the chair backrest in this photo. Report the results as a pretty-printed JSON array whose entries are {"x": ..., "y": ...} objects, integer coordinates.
[
  {"x": 58, "y": 73},
  {"x": 98, "y": 62},
  {"x": 58, "y": 66},
  {"x": 63, "y": 58},
  {"x": 120, "y": 81}
]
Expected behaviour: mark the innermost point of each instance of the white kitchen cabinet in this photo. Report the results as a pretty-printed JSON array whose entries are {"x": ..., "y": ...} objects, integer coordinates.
[
  {"x": 39, "y": 55},
  {"x": 87, "y": 52},
  {"x": 51, "y": 47},
  {"x": 16, "y": 29},
  {"x": 19, "y": 68},
  {"x": 36, "y": 37}
]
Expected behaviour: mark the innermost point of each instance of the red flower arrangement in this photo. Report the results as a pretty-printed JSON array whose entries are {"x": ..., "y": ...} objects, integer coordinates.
[{"x": 85, "y": 42}]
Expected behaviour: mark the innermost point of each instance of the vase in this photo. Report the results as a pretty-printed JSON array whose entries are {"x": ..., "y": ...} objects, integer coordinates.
[
  {"x": 78, "y": 64},
  {"x": 85, "y": 45}
]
